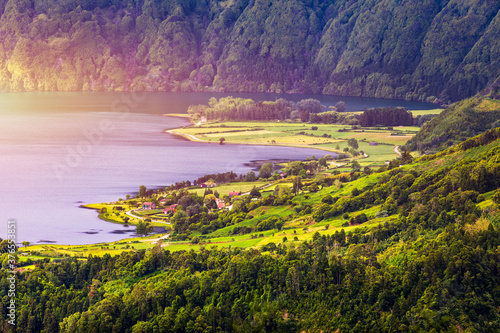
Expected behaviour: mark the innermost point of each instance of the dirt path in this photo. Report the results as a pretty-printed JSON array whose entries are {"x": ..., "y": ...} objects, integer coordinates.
[{"x": 396, "y": 150}]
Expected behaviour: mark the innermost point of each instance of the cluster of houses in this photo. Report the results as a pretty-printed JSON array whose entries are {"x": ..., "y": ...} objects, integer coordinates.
[
  {"x": 208, "y": 184},
  {"x": 173, "y": 208},
  {"x": 151, "y": 205}
]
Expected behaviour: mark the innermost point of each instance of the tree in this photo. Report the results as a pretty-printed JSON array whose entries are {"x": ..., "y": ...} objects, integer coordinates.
[
  {"x": 209, "y": 201},
  {"x": 221, "y": 141},
  {"x": 142, "y": 191},
  {"x": 355, "y": 166},
  {"x": 340, "y": 106},
  {"x": 254, "y": 193},
  {"x": 295, "y": 167},
  {"x": 266, "y": 170},
  {"x": 143, "y": 228},
  {"x": 353, "y": 143},
  {"x": 26, "y": 243},
  {"x": 323, "y": 162},
  {"x": 496, "y": 197},
  {"x": 309, "y": 105},
  {"x": 406, "y": 157},
  {"x": 297, "y": 185},
  {"x": 250, "y": 177}
]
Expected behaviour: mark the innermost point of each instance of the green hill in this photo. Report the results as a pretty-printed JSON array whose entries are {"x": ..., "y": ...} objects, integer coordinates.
[
  {"x": 409, "y": 249},
  {"x": 457, "y": 123},
  {"x": 433, "y": 50}
]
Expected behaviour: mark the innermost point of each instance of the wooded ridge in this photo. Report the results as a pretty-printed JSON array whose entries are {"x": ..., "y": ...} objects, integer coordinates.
[{"x": 432, "y": 50}]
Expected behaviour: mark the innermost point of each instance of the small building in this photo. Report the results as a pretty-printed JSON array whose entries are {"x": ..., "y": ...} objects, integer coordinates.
[
  {"x": 210, "y": 184},
  {"x": 171, "y": 209},
  {"x": 203, "y": 185},
  {"x": 220, "y": 203},
  {"x": 232, "y": 194},
  {"x": 148, "y": 205},
  {"x": 163, "y": 202}
]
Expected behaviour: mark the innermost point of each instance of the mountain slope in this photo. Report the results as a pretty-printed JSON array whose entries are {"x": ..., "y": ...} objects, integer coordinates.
[
  {"x": 435, "y": 49},
  {"x": 458, "y": 122},
  {"x": 424, "y": 258}
]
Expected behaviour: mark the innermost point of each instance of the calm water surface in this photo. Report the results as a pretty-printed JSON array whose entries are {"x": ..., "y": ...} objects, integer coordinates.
[{"x": 61, "y": 150}]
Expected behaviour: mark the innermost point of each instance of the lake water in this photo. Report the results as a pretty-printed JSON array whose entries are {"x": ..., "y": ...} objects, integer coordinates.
[{"x": 61, "y": 150}]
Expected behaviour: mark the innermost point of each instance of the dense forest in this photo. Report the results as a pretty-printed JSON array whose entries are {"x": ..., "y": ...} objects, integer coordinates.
[
  {"x": 431, "y": 266},
  {"x": 436, "y": 50},
  {"x": 386, "y": 117}
]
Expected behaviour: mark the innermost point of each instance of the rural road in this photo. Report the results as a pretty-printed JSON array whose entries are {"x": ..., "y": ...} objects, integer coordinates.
[{"x": 396, "y": 150}]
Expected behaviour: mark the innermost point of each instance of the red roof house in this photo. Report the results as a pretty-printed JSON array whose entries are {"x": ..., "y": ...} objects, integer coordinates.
[
  {"x": 220, "y": 203},
  {"x": 171, "y": 209},
  {"x": 148, "y": 205}
]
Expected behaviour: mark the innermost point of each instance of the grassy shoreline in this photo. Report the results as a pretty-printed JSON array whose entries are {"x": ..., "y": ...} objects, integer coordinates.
[
  {"x": 377, "y": 143},
  {"x": 324, "y": 137}
]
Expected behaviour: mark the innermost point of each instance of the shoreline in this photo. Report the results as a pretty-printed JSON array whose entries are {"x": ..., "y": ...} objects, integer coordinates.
[
  {"x": 177, "y": 115},
  {"x": 193, "y": 138}
]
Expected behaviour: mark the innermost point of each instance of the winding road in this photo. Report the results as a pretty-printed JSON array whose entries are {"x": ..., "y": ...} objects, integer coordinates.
[{"x": 396, "y": 150}]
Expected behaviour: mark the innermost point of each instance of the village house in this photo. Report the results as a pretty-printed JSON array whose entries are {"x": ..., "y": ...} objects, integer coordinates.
[
  {"x": 220, "y": 203},
  {"x": 171, "y": 209},
  {"x": 232, "y": 194},
  {"x": 148, "y": 205},
  {"x": 163, "y": 202},
  {"x": 210, "y": 184}
]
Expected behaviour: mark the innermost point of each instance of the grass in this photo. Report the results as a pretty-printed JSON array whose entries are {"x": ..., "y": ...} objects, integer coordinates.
[
  {"x": 488, "y": 105},
  {"x": 325, "y": 137},
  {"x": 424, "y": 112},
  {"x": 233, "y": 187}
]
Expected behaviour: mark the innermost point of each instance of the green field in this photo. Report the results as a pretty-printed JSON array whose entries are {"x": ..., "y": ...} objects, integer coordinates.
[
  {"x": 325, "y": 137},
  {"x": 425, "y": 112},
  {"x": 224, "y": 189}
]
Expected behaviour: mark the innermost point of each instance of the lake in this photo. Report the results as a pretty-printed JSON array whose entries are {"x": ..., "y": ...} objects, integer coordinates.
[{"x": 61, "y": 150}]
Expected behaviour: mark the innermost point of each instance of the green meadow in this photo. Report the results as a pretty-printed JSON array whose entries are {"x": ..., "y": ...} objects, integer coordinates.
[{"x": 376, "y": 142}]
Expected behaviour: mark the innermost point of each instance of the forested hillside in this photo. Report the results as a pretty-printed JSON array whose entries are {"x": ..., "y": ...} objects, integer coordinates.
[
  {"x": 427, "y": 260},
  {"x": 435, "y": 50},
  {"x": 458, "y": 122}
]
